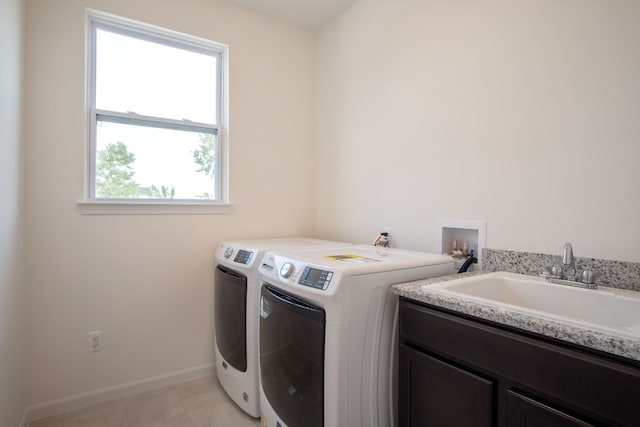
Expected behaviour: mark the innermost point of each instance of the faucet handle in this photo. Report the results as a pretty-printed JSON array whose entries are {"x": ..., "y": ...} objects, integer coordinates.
[
  {"x": 556, "y": 272},
  {"x": 588, "y": 277}
]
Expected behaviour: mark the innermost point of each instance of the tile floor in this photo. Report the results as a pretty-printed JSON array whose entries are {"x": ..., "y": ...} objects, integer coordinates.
[{"x": 196, "y": 403}]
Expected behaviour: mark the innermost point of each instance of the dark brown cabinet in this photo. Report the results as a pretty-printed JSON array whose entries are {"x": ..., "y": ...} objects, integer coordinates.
[
  {"x": 443, "y": 394},
  {"x": 460, "y": 371},
  {"x": 523, "y": 411}
]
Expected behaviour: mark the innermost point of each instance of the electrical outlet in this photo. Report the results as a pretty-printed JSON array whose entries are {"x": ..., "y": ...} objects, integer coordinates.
[{"x": 95, "y": 341}]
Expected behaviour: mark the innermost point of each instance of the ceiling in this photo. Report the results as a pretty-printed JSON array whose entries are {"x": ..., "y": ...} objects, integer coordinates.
[{"x": 309, "y": 14}]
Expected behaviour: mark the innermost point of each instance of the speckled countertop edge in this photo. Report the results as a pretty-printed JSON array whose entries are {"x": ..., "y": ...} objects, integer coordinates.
[{"x": 597, "y": 340}]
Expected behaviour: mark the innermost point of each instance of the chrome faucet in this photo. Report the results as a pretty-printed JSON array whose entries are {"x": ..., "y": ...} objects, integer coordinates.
[
  {"x": 568, "y": 262},
  {"x": 567, "y": 274}
]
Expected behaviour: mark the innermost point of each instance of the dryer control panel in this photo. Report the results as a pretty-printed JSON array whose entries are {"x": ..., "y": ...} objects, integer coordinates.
[
  {"x": 236, "y": 255},
  {"x": 243, "y": 257},
  {"x": 315, "y": 278}
]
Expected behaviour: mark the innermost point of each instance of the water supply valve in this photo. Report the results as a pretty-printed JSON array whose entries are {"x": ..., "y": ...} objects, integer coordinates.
[{"x": 382, "y": 240}]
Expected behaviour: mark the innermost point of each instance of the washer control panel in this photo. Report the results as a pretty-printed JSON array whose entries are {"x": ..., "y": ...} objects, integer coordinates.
[
  {"x": 293, "y": 273},
  {"x": 287, "y": 270},
  {"x": 315, "y": 278},
  {"x": 243, "y": 257}
]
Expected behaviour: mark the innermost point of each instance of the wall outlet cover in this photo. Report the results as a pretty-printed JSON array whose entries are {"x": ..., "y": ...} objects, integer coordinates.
[{"x": 95, "y": 341}]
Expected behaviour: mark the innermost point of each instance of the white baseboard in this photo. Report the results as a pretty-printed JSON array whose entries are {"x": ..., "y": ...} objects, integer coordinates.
[
  {"x": 23, "y": 420},
  {"x": 78, "y": 401}
]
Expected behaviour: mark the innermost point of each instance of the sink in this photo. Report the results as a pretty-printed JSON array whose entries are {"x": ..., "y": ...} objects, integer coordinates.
[{"x": 607, "y": 309}]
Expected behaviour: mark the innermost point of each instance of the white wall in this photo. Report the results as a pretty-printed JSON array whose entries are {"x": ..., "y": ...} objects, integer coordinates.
[
  {"x": 12, "y": 389},
  {"x": 524, "y": 114},
  {"x": 146, "y": 281}
]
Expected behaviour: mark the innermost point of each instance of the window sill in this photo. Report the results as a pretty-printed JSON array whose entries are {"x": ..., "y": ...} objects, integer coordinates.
[{"x": 126, "y": 207}]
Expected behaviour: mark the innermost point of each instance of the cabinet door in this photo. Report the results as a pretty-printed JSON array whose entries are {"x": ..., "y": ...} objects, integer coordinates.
[
  {"x": 435, "y": 393},
  {"x": 525, "y": 412}
]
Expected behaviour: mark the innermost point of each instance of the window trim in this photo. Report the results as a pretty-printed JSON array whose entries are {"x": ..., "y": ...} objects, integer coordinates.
[
  {"x": 152, "y": 207},
  {"x": 92, "y": 205}
]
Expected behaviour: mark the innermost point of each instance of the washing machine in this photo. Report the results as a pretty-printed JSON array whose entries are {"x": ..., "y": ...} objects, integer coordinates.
[
  {"x": 328, "y": 344},
  {"x": 236, "y": 314}
]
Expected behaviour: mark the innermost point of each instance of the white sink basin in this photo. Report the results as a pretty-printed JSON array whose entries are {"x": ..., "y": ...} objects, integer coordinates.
[{"x": 607, "y": 309}]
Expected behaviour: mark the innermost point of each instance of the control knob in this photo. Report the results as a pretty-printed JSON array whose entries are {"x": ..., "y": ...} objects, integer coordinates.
[
  {"x": 287, "y": 270},
  {"x": 228, "y": 252}
]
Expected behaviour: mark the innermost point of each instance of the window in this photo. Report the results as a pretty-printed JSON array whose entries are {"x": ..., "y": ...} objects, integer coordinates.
[{"x": 157, "y": 102}]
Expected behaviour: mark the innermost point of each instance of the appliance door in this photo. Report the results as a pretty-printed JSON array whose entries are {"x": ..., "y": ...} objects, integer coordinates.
[
  {"x": 230, "y": 306},
  {"x": 292, "y": 357}
]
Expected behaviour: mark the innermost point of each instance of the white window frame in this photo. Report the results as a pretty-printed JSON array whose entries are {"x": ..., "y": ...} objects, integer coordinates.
[{"x": 93, "y": 205}]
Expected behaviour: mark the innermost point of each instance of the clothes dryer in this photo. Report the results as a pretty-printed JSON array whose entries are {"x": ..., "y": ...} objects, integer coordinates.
[
  {"x": 327, "y": 340},
  {"x": 236, "y": 314}
]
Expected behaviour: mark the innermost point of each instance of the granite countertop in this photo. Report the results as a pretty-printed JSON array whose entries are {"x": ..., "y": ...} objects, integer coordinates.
[{"x": 620, "y": 346}]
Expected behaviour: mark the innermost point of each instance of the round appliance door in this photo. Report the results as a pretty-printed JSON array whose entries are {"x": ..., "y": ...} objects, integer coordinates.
[
  {"x": 230, "y": 305},
  {"x": 292, "y": 357}
]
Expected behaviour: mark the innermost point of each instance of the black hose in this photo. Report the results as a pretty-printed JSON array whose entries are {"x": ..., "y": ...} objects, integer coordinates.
[{"x": 467, "y": 263}]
